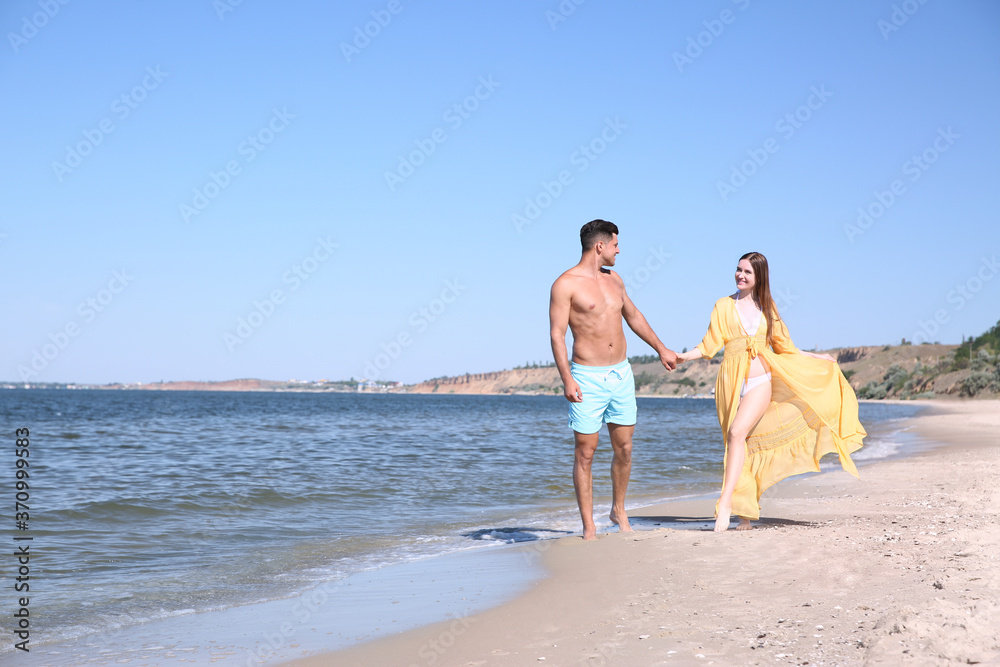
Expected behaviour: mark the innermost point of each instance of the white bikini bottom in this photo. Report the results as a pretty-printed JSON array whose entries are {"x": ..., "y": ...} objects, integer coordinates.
[{"x": 751, "y": 383}]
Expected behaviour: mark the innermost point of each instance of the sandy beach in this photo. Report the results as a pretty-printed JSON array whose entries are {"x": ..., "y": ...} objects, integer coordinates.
[{"x": 898, "y": 568}]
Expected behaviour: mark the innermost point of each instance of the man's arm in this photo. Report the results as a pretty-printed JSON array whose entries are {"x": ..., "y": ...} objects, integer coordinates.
[
  {"x": 637, "y": 323},
  {"x": 559, "y": 305}
]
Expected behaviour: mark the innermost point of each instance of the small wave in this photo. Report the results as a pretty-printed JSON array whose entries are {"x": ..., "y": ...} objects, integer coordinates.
[
  {"x": 878, "y": 449},
  {"x": 883, "y": 445},
  {"x": 123, "y": 510},
  {"x": 181, "y": 612}
]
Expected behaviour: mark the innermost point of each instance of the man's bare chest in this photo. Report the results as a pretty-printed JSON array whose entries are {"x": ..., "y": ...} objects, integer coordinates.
[{"x": 598, "y": 301}]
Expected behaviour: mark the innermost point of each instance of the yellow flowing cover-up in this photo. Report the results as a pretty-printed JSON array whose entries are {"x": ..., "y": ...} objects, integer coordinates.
[{"x": 813, "y": 409}]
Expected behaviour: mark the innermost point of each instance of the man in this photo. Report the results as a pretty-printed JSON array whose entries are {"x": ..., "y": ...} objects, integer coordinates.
[{"x": 599, "y": 384}]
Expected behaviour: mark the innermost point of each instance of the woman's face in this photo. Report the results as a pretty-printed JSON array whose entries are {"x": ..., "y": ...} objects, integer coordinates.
[{"x": 745, "y": 279}]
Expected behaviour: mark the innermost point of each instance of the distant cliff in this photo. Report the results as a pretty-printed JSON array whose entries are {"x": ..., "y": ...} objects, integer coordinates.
[
  {"x": 521, "y": 381},
  {"x": 876, "y": 372}
]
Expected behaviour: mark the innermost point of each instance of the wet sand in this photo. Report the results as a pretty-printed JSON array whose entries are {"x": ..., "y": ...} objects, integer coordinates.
[{"x": 902, "y": 567}]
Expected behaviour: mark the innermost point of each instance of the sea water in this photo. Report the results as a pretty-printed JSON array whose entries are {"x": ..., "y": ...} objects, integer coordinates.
[{"x": 157, "y": 505}]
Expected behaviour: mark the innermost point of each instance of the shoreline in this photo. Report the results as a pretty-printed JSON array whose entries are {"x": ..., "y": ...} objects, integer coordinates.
[
  {"x": 370, "y": 604},
  {"x": 900, "y": 567}
]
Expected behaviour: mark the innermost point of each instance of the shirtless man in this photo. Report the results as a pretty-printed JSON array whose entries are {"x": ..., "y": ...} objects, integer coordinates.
[{"x": 599, "y": 384}]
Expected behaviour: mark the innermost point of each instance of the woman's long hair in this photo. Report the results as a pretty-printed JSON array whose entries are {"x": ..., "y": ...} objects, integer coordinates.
[{"x": 762, "y": 292}]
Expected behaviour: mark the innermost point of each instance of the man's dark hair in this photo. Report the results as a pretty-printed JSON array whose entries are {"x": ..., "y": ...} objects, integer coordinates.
[{"x": 596, "y": 230}]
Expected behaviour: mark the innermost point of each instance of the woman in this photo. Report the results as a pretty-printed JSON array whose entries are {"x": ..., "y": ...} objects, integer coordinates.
[{"x": 781, "y": 409}]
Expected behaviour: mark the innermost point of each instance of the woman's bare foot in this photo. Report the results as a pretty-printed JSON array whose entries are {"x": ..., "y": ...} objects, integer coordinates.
[
  {"x": 722, "y": 520},
  {"x": 744, "y": 524},
  {"x": 623, "y": 525}
]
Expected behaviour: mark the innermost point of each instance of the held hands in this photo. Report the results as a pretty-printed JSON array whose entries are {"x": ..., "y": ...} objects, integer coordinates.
[
  {"x": 669, "y": 359},
  {"x": 691, "y": 355}
]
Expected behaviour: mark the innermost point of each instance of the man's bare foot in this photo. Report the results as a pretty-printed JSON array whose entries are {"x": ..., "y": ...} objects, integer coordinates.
[
  {"x": 722, "y": 520},
  {"x": 623, "y": 524},
  {"x": 590, "y": 534},
  {"x": 744, "y": 524}
]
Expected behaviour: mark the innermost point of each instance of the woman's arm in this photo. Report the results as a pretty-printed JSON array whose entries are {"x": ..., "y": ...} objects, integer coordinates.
[
  {"x": 711, "y": 343},
  {"x": 690, "y": 355},
  {"x": 827, "y": 357},
  {"x": 783, "y": 343}
]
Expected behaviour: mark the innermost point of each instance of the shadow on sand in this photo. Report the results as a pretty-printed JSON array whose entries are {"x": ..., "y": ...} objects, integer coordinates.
[{"x": 706, "y": 522}]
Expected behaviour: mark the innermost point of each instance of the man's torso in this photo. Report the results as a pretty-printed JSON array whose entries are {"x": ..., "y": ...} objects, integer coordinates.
[{"x": 595, "y": 319}]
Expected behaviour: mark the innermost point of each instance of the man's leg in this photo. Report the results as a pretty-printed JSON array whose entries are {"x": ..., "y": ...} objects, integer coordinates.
[
  {"x": 621, "y": 470},
  {"x": 586, "y": 445}
]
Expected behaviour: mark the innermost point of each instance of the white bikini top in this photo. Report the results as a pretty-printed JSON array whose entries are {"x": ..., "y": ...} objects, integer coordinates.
[{"x": 746, "y": 328}]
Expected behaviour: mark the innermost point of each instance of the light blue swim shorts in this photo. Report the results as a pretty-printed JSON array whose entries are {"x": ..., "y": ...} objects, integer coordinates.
[{"x": 608, "y": 397}]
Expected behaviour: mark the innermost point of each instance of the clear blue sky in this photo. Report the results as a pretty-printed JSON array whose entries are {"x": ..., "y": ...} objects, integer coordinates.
[{"x": 125, "y": 259}]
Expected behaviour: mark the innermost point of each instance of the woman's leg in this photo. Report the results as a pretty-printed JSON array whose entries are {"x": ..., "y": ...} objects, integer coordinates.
[{"x": 751, "y": 409}]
